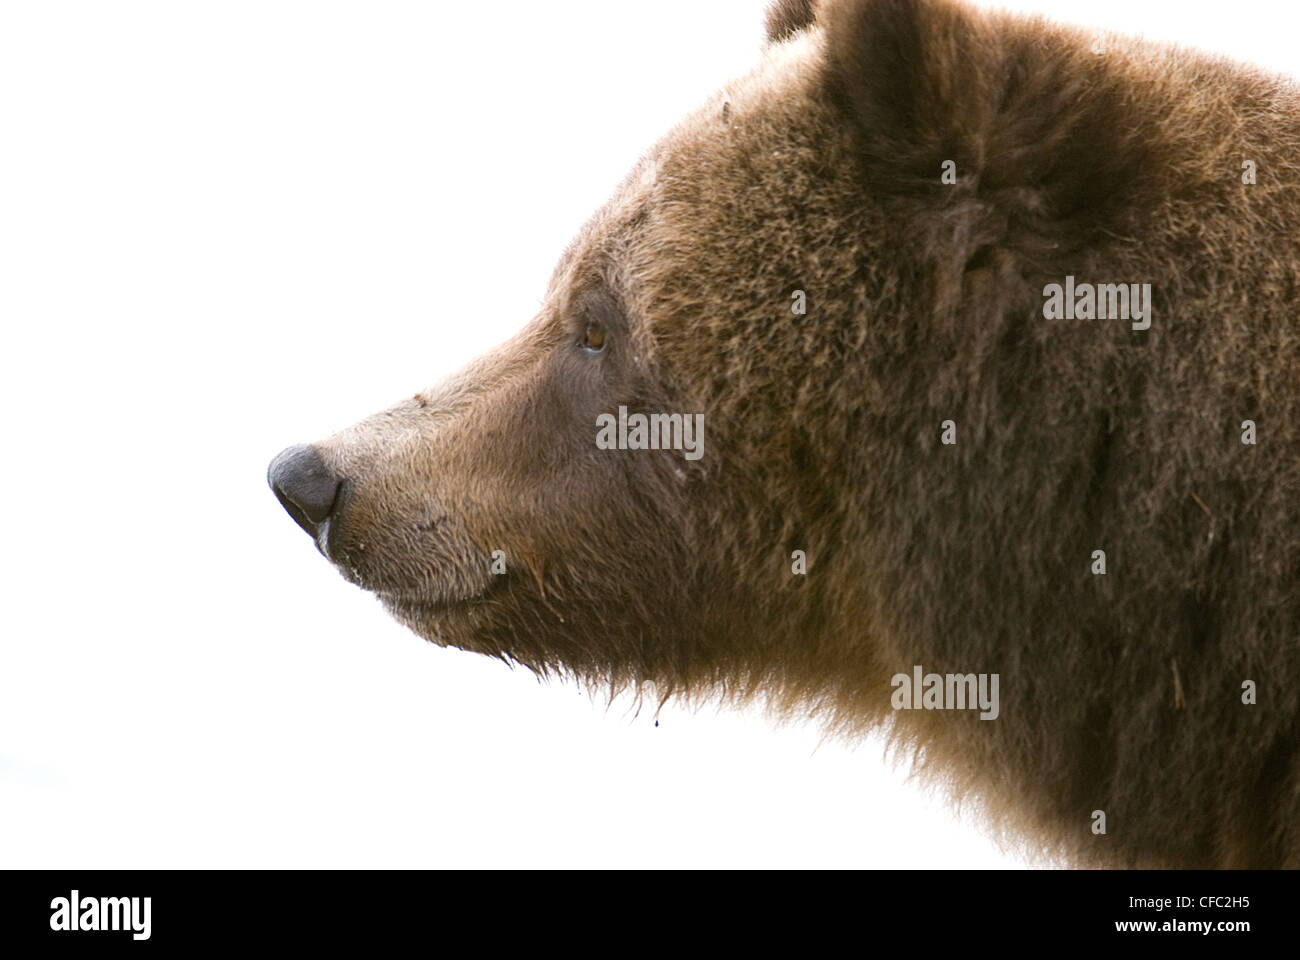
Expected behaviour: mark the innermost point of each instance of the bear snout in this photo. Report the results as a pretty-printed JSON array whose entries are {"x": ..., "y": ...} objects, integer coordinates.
[{"x": 307, "y": 489}]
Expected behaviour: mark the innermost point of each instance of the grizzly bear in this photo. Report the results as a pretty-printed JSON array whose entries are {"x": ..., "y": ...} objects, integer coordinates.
[{"x": 941, "y": 376}]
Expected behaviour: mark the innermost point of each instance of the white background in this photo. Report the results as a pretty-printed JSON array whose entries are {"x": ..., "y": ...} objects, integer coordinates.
[{"x": 229, "y": 227}]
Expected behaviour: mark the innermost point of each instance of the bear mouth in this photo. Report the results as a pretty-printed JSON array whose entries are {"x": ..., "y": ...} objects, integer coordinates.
[{"x": 433, "y": 603}]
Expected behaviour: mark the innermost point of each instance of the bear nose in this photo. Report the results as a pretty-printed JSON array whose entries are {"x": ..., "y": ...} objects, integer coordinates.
[{"x": 305, "y": 487}]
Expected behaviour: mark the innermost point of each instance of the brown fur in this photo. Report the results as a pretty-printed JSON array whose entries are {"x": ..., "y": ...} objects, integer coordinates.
[
  {"x": 785, "y": 18},
  {"x": 643, "y": 569}
]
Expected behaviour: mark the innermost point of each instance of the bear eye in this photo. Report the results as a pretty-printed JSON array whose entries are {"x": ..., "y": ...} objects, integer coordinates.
[{"x": 594, "y": 338}]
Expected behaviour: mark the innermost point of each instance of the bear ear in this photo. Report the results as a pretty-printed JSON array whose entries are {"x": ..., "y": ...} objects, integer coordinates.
[
  {"x": 1022, "y": 108},
  {"x": 785, "y": 18},
  {"x": 913, "y": 74}
]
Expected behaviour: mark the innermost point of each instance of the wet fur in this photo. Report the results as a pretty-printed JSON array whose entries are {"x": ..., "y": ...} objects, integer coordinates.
[{"x": 822, "y": 174}]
